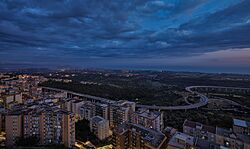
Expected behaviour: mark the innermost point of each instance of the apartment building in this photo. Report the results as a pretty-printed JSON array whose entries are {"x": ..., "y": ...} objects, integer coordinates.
[
  {"x": 121, "y": 112},
  {"x": 128, "y": 135},
  {"x": 199, "y": 130},
  {"x": 148, "y": 119},
  {"x": 13, "y": 122},
  {"x": 100, "y": 127},
  {"x": 241, "y": 127},
  {"x": 226, "y": 138},
  {"x": 102, "y": 110},
  {"x": 68, "y": 129},
  {"x": 12, "y": 97},
  {"x": 50, "y": 125},
  {"x": 181, "y": 141},
  {"x": 87, "y": 110},
  {"x": 75, "y": 107}
]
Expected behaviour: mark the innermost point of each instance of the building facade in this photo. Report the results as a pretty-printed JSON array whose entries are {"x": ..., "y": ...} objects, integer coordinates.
[
  {"x": 199, "y": 130},
  {"x": 228, "y": 139},
  {"x": 100, "y": 127},
  {"x": 48, "y": 125},
  {"x": 128, "y": 135},
  {"x": 120, "y": 112},
  {"x": 241, "y": 127},
  {"x": 181, "y": 141},
  {"x": 13, "y": 128},
  {"x": 148, "y": 119}
]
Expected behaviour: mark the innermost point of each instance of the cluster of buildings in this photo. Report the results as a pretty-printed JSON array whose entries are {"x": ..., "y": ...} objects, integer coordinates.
[
  {"x": 45, "y": 122},
  {"x": 13, "y": 90},
  {"x": 105, "y": 117},
  {"x": 30, "y": 112},
  {"x": 199, "y": 136},
  {"x": 127, "y": 127},
  {"x": 119, "y": 121},
  {"x": 26, "y": 114},
  {"x": 27, "y": 111}
]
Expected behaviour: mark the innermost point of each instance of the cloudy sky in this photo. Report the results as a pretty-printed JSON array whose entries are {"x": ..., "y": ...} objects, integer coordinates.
[{"x": 188, "y": 35}]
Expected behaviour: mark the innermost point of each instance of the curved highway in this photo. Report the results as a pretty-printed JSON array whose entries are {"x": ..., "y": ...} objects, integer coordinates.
[{"x": 203, "y": 100}]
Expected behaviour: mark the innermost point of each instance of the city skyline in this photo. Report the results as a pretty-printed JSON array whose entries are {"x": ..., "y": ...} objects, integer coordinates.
[{"x": 194, "y": 35}]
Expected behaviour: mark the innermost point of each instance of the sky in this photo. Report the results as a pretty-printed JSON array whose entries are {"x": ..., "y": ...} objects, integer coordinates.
[{"x": 183, "y": 35}]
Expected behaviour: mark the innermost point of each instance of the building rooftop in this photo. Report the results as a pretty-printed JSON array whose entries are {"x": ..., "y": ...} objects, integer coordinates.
[
  {"x": 150, "y": 115},
  {"x": 244, "y": 138},
  {"x": 225, "y": 132},
  {"x": 169, "y": 131},
  {"x": 186, "y": 139},
  {"x": 197, "y": 125},
  {"x": 101, "y": 104},
  {"x": 97, "y": 119},
  {"x": 87, "y": 105},
  {"x": 205, "y": 144},
  {"x": 124, "y": 103},
  {"x": 241, "y": 123},
  {"x": 152, "y": 137},
  {"x": 36, "y": 108},
  {"x": 230, "y": 134},
  {"x": 77, "y": 101}
]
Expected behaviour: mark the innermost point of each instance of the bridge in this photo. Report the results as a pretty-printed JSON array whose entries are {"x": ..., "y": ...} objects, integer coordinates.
[
  {"x": 191, "y": 89},
  {"x": 70, "y": 94},
  {"x": 202, "y": 102}
]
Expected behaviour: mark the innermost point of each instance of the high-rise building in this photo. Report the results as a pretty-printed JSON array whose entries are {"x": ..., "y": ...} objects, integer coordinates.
[
  {"x": 50, "y": 125},
  {"x": 102, "y": 110},
  {"x": 128, "y": 135},
  {"x": 87, "y": 110},
  {"x": 76, "y": 105},
  {"x": 121, "y": 112},
  {"x": 13, "y": 127},
  {"x": 68, "y": 129},
  {"x": 100, "y": 127},
  {"x": 31, "y": 123},
  {"x": 90, "y": 109},
  {"x": 149, "y": 119},
  {"x": 2, "y": 118}
]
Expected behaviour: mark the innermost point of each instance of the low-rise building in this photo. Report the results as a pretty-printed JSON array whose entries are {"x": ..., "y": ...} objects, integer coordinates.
[
  {"x": 228, "y": 139},
  {"x": 13, "y": 97},
  {"x": 241, "y": 127},
  {"x": 199, "y": 130},
  {"x": 181, "y": 141}
]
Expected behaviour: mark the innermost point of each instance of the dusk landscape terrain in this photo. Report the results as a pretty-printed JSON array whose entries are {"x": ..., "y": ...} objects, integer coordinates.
[{"x": 125, "y": 74}]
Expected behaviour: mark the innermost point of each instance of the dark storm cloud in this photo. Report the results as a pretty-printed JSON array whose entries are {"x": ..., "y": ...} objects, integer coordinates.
[{"x": 121, "y": 29}]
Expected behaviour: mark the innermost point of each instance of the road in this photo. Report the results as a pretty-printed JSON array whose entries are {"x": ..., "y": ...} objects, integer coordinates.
[
  {"x": 203, "y": 100},
  {"x": 104, "y": 100}
]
